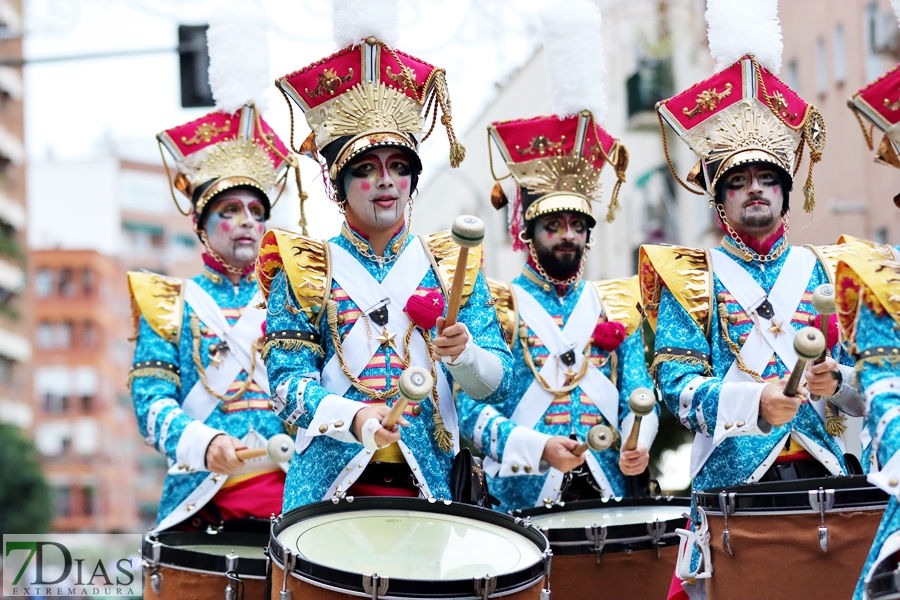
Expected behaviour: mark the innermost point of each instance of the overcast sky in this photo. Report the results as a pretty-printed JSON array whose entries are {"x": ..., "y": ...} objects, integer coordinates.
[{"x": 75, "y": 110}]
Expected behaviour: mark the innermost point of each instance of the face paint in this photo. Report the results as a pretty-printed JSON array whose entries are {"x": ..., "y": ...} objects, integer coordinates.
[
  {"x": 559, "y": 242},
  {"x": 377, "y": 190},
  {"x": 235, "y": 226},
  {"x": 753, "y": 198}
]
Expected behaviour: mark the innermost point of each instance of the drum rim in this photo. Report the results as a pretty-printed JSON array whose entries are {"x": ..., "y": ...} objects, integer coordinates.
[
  {"x": 620, "y": 538},
  {"x": 398, "y": 587},
  {"x": 175, "y": 557},
  {"x": 853, "y": 492}
]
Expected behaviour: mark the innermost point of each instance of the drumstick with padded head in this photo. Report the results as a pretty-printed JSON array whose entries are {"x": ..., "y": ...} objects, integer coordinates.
[
  {"x": 823, "y": 302},
  {"x": 809, "y": 343},
  {"x": 468, "y": 232},
  {"x": 599, "y": 438},
  {"x": 641, "y": 402},
  {"x": 280, "y": 448},
  {"x": 415, "y": 384}
]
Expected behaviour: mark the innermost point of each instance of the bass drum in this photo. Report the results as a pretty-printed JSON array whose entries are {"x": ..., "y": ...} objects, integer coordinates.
[
  {"x": 622, "y": 548},
  {"x": 231, "y": 563},
  {"x": 807, "y": 538},
  {"x": 405, "y": 548}
]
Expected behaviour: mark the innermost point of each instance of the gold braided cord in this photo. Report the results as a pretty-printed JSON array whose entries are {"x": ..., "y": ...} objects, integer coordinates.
[
  {"x": 201, "y": 371},
  {"x": 443, "y": 437},
  {"x": 291, "y": 112},
  {"x": 169, "y": 179},
  {"x": 735, "y": 349},
  {"x": 689, "y": 360},
  {"x": 866, "y": 131},
  {"x": 523, "y": 339},
  {"x": 613, "y": 366},
  {"x": 798, "y": 160},
  {"x": 765, "y": 95},
  {"x": 491, "y": 160},
  {"x": 662, "y": 131},
  {"x": 156, "y": 372},
  {"x": 428, "y": 108}
]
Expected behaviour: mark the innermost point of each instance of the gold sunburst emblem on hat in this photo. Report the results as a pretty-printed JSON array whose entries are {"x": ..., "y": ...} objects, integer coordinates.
[{"x": 573, "y": 174}]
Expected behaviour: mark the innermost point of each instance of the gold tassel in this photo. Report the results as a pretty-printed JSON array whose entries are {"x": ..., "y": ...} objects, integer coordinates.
[
  {"x": 814, "y": 135},
  {"x": 291, "y": 345},
  {"x": 809, "y": 189},
  {"x": 835, "y": 423},
  {"x": 303, "y": 196},
  {"x": 621, "y": 165},
  {"x": 457, "y": 150},
  {"x": 163, "y": 374},
  {"x": 443, "y": 437}
]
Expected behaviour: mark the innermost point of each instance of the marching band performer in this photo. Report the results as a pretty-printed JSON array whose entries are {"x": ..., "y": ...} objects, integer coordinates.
[
  {"x": 346, "y": 316},
  {"x": 867, "y": 302},
  {"x": 577, "y": 347},
  {"x": 725, "y": 318},
  {"x": 200, "y": 390}
]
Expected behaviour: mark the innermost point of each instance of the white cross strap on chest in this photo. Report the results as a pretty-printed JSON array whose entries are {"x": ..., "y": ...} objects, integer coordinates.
[
  {"x": 364, "y": 291},
  {"x": 199, "y": 403},
  {"x": 578, "y": 330},
  {"x": 785, "y": 297}
]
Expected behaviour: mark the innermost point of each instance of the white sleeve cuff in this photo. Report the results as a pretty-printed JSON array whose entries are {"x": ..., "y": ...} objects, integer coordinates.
[
  {"x": 191, "y": 449},
  {"x": 334, "y": 418},
  {"x": 738, "y": 410},
  {"x": 522, "y": 453},
  {"x": 477, "y": 370},
  {"x": 888, "y": 477},
  {"x": 649, "y": 429}
]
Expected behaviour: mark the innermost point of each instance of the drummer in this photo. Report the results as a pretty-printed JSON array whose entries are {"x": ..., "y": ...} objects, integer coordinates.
[
  {"x": 725, "y": 318},
  {"x": 200, "y": 391},
  {"x": 347, "y": 316},
  {"x": 577, "y": 347}
]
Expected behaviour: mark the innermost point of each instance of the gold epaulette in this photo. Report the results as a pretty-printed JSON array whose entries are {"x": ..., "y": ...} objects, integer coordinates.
[
  {"x": 621, "y": 301},
  {"x": 505, "y": 305},
  {"x": 307, "y": 265},
  {"x": 876, "y": 282},
  {"x": 685, "y": 272},
  {"x": 160, "y": 300},
  {"x": 444, "y": 252},
  {"x": 850, "y": 249}
]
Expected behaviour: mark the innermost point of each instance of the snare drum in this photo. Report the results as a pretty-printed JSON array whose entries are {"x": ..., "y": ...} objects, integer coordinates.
[
  {"x": 405, "y": 548},
  {"x": 623, "y": 549},
  {"x": 807, "y": 538},
  {"x": 885, "y": 581},
  {"x": 187, "y": 564}
]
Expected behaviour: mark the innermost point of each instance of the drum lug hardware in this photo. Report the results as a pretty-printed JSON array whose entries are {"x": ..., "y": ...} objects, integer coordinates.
[
  {"x": 375, "y": 585},
  {"x": 656, "y": 530},
  {"x": 289, "y": 562},
  {"x": 156, "y": 581},
  {"x": 548, "y": 559},
  {"x": 726, "y": 505},
  {"x": 597, "y": 536},
  {"x": 485, "y": 586},
  {"x": 156, "y": 578},
  {"x": 235, "y": 588},
  {"x": 822, "y": 500}
]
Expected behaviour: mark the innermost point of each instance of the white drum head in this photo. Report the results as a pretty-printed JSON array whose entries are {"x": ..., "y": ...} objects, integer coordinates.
[
  {"x": 622, "y": 515},
  {"x": 410, "y": 545},
  {"x": 239, "y": 551}
]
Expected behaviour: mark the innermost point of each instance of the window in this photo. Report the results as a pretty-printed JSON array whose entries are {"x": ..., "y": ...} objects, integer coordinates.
[
  {"x": 88, "y": 335},
  {"x": 821, "y": 67},
  {"x": 6, "y": 371},
  {"x": 53, "y": 403},
  {"x": 89, "y": 500},
  {"x": 87, "y": 282},
  {"x": 43, "y": 283},
  {"x": 874, "y": 62},
  {"x": 840, "y": 58},
  {"x": 62, "y": 501},
  {"x": 66, "y": 283},
  {"x": 64, "y": 335},
  {"x": 45, "y": 335},
  {"x": 87, "y": 403},
  {"x": 881, "y": 235},
  {"x": 792, "y": 75}
]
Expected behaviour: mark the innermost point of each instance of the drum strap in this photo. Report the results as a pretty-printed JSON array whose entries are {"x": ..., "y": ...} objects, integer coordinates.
[{"x": 575, "y": 334}]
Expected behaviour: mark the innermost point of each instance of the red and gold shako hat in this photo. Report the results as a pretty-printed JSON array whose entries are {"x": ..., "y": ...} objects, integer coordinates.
[
  {"x": 744, "y": 114},
  {"x": 559, "y": 160},
  {"x": 376, "y": 95},
  {"x": 879, "y": 104},
  {"x": 220, "y": 151}
]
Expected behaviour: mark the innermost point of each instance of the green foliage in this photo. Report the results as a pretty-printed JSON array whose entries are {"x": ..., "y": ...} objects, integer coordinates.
[{"x": 25, "y": 500}]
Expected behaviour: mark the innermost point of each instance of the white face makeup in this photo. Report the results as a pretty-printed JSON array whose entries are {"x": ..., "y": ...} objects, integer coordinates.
[
  {"x": 235, "y": 226},
  {"x": 559, "y": 242},
  {"x": 753, "y": 198},
  {"x": 377, "y": 187}
]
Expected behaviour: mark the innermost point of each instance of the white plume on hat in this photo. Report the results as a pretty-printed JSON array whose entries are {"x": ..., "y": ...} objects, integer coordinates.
[
  {"x": 745, "y": 27},
  {"x": 355, "y": 20},
  {"x": 895, "y": 4},
  {"x": 238, "y": 42},
  {"x": 573, "y": 53}
]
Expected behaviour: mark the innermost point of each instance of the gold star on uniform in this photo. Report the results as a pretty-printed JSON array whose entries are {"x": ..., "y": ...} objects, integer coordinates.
[
  {"x": 776, "y": 329},
  {"x": 386, "y": 339}
]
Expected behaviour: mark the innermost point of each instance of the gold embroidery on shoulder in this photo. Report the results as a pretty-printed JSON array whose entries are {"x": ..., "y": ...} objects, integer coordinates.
[
  {"x": 621, "y": 300},
  {"x": 444, "y": 252},
  {"x": 160, "y": 300},
  {"x": 685, "y": 272},
  {"x": 305, "y": 261},
  {"x": 505, "y": 305}
]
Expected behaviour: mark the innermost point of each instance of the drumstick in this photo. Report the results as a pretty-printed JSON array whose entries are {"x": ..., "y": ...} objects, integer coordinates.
[
  {"x": 280, "y": 448},
  {"x": 599, "y": 438},
  {"x": 823, "y": 302},
  {"x": 415, "y": 384},
  {"x": 641, "y": 402},
  {"x": 468, "y": 232},
  {"x": 809, "y": 343}
]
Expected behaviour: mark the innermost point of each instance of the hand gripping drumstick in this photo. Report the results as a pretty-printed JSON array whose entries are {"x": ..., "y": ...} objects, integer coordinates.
[
  {"x": 415, "y": 384},
  {"x": 468, "y": 232},
  {"x": 599, "y": 438},
  {"x": 823, "y": 302},
  {"x": 641, "y": 402},
  {"x": 809, "y": 343},
  {"x": 280, "y": 449}
]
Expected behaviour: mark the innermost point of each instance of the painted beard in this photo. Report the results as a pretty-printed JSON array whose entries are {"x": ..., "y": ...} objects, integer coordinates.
[
  {"x": 757, "y": 219},
  {"x": 556, "y": 267}
]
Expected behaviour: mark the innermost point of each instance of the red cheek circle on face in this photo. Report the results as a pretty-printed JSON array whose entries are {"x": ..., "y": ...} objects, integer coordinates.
[
  {"x": 261, "y": 227},
  {"x": 226, "y": 226},
  {"x": 403, "y": 184},
  {"x": 365, "y": 186}
]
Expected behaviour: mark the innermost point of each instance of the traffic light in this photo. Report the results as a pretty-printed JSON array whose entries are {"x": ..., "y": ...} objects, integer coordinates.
[{"x": 193, "y": 58}]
